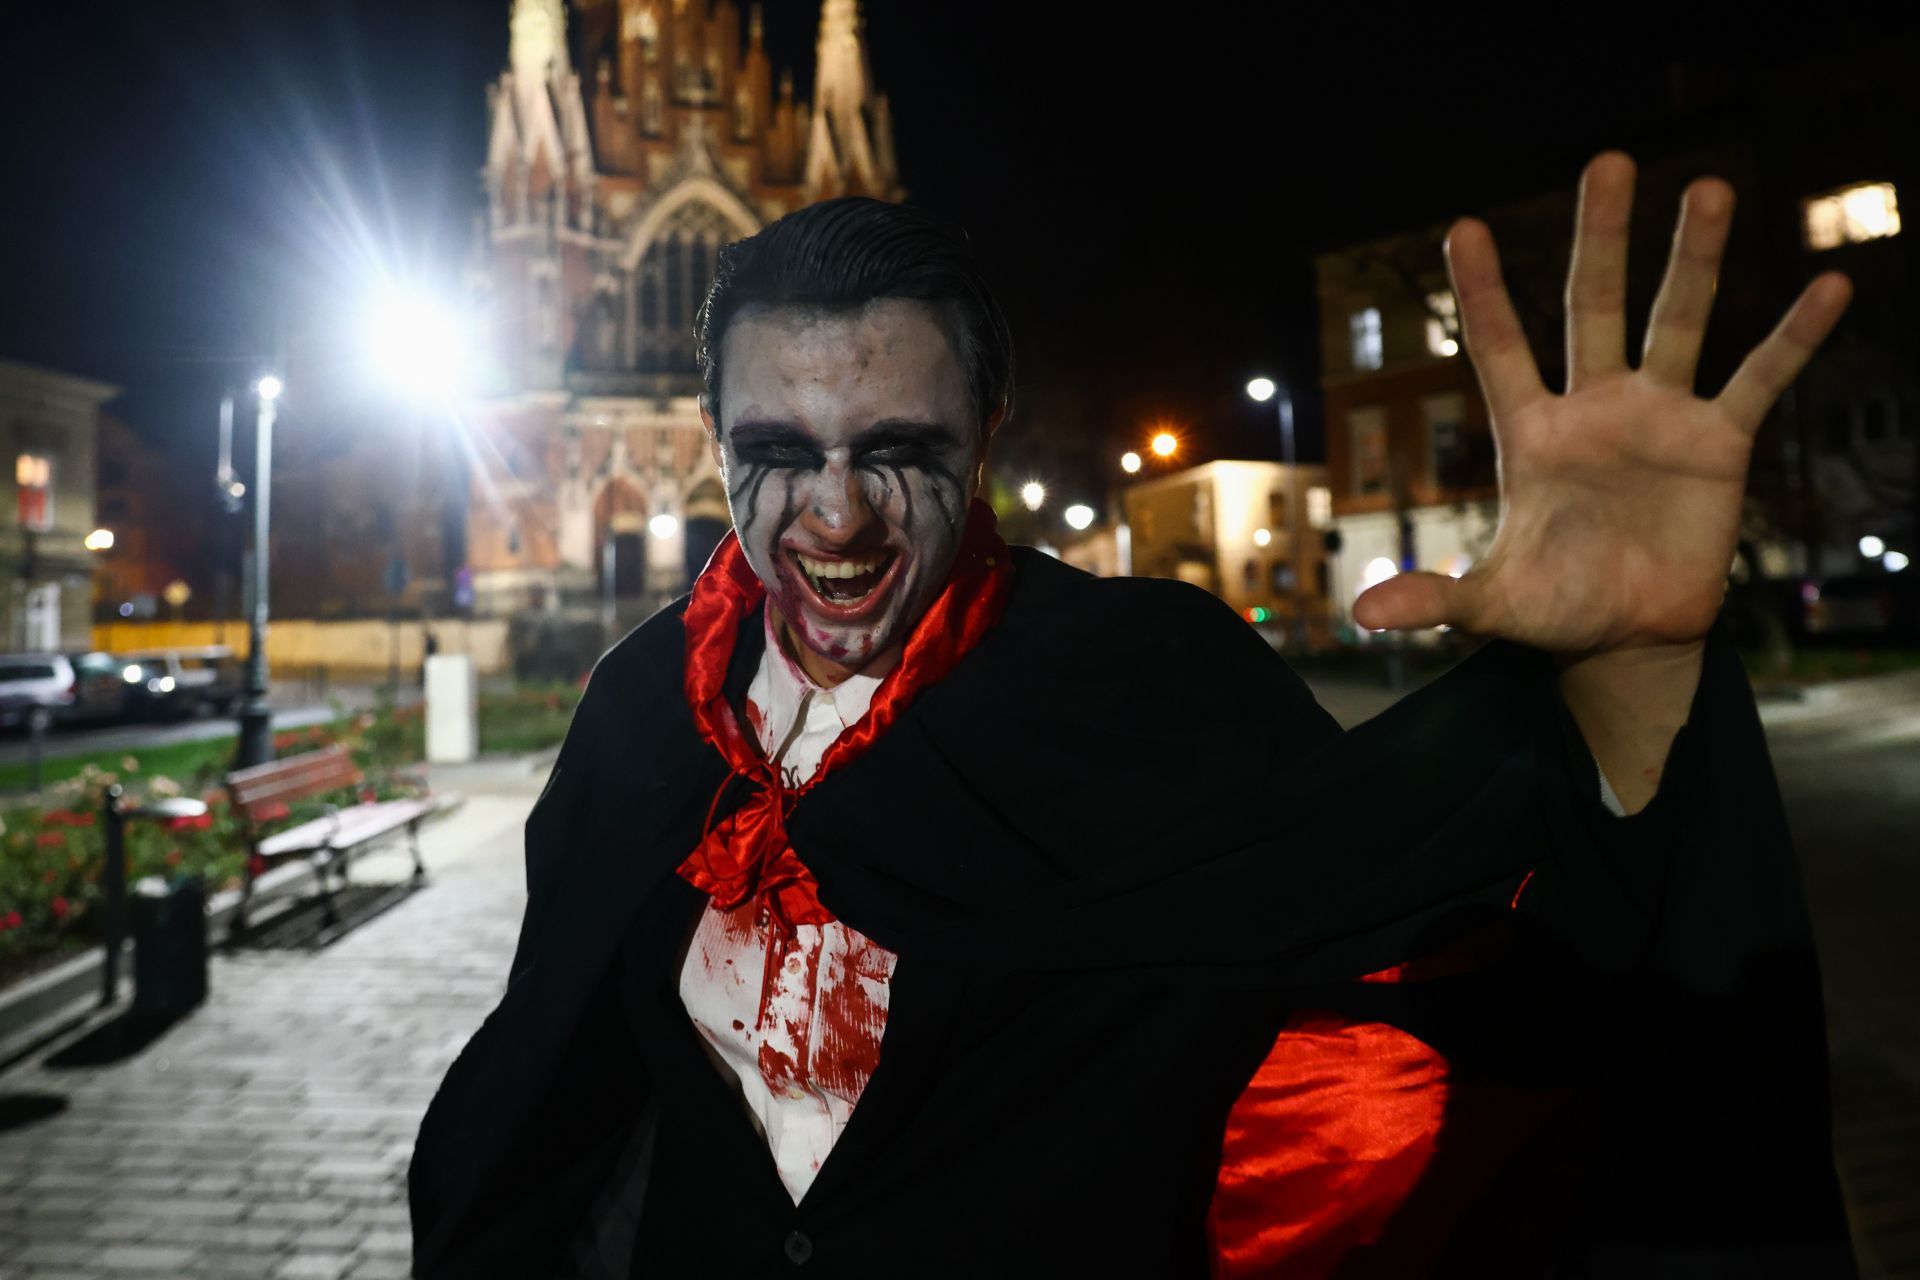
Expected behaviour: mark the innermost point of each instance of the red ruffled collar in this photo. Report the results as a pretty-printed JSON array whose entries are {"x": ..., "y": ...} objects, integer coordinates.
[{"x": 746, "y": 854}]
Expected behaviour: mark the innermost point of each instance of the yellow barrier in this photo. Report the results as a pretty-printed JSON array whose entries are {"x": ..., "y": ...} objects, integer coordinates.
[{"x": 368, "y": 646}]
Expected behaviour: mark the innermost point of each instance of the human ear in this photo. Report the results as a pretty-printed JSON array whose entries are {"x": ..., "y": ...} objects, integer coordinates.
[{"x": 712, "y": 429}]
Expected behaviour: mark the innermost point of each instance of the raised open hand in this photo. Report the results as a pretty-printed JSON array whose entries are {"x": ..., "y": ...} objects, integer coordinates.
[{"x": 1620, "y": 499}]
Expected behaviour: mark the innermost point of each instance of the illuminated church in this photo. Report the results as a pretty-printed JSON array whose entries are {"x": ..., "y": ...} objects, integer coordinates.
[{"x": 619, "y": 161}]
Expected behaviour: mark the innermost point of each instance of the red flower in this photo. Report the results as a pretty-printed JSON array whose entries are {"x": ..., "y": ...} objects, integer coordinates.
[
  {"x": 368, "y": 795},
  {"x": 271, "y": 812},
  {"x": 59, "y": 906},
  {"x": 173, "y": 857},
  {"x": 10, "y": 921},
  {"x": 51, "y": 839},
  {"x": 195, "y": 822},
  {"x": 256, "y": 866},
  {"x": 66, "y": 818}
]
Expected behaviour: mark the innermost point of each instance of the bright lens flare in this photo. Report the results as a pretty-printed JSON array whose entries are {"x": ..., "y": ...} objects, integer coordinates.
[
  {"x": 1034, "y": 494},
  {"x": 1165, "y": 445},
  {"x": 663, "y": 525},
  {"x": 1261, "y": 537},
  {"x": 269, "y": 388},
  {"x": 418, "y": 346},
  {"x": 1261, "y": 389},
  {"x": 1130, "y": 462},
  {"x": 100, "y": 540},
  {"x": 1872, "y": 548},
  {"x": 1079, "y": 515}
]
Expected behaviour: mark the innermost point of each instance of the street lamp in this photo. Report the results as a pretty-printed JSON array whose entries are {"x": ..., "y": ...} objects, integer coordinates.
[
  {"x": 256, "y": 718},
  {"x": 1165, "y": 444},
  {"x": 1034, "y": 494},
  {"x": 1263, "y": 390},
  {"x": 1130, "y": 462},
  {"x": 1079, "y": 516}
]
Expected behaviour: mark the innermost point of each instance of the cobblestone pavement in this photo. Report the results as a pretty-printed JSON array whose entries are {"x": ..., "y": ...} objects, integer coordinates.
[{"x": 268, "y": 1134}]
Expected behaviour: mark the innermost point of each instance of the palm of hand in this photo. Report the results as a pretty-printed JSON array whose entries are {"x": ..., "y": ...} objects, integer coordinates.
[{"x": 1620, "y": 499}]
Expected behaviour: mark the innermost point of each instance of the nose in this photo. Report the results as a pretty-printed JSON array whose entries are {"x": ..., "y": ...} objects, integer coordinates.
[{"x": 837, "y": 515}]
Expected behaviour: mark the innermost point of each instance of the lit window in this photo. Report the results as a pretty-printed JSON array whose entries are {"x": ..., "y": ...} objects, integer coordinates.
[
  {"x": 1868, "y": 211},
  {"x": 33, "y": 472},
  {"x": 1368, "y": 426},
  {"x": 1365, "y": 329},
  {"x": 1319, "y": 506},
  {"x": 1443, "y": 324}
]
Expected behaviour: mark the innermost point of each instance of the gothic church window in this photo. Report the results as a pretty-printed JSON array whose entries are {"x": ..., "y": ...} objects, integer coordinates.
[{"x": 675, "y": 271}]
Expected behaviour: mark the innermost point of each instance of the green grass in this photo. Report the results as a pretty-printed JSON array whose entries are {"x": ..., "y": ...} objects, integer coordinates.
[
  {"x": 1816, "y": 666},
  {"x": 178, "y": 760}
]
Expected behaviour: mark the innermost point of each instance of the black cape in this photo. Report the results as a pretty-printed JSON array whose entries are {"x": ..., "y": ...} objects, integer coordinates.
[{"x": 1112, "y": 849}]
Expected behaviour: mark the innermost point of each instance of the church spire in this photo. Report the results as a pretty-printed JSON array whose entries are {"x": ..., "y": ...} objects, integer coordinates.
[
  {"x": 846, "y": 147},
  {"x": 538, "y": 46}
]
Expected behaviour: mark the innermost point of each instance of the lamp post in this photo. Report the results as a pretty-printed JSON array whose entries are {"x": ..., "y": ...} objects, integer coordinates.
[
  {"x": 1264, "y": 389},
  {"x": 256, "y": 719}
]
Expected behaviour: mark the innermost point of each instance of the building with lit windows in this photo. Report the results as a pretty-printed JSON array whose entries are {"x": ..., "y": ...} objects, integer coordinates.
[
  {"x": 1225, "y": 526},
  {"x": 49, "y": 425}
]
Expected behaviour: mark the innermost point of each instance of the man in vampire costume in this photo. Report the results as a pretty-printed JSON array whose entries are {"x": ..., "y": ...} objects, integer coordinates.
[{"x": 906, "y": 905}]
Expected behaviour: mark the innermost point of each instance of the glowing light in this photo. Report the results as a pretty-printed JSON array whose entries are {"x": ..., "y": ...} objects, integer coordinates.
[
  {"x": 269, "y": 388},
  {"x": 1448, "y": 347},
  {"x": 126, "y": 610},
  {"x": 418, "y": 346},
  {"x": 1895, "y": 561},
  {"x": 1378, "y": 570},
  {"x": 1258, "y": 613},
  {"x": 1078, "y": 516},
  {"x": 1165, "y": 445},
  {"x": 132, "y": 674},
  {"x": 663, "y": 525},
  {"x": 1261, "y": 537},
  {"x": 1130, "y": 462},
  {"x": 1034, "y": 494},
  {"x": 1458, "y": 563},
  {"x": 1262, "y": 389},
  {"x": 1866, "y": 211},
  {"x": 100, "y": 540},
  {"x": 1871, "y": 547}
]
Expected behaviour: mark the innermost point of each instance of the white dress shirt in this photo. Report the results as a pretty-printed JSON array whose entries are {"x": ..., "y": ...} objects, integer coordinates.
[{"x": 797, "y": 1021}]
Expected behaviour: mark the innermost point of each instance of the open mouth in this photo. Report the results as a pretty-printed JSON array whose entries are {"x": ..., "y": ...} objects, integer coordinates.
[{"x": 845, "y": 582}]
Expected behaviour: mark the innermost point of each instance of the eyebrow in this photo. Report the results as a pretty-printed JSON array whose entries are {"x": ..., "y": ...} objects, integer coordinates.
[
  {"x": 893, "y": 431},
  {"x": 887, "y": 431}
]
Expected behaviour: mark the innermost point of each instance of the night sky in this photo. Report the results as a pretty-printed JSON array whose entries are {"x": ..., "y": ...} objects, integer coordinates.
[{"x": 187, "y": 180}]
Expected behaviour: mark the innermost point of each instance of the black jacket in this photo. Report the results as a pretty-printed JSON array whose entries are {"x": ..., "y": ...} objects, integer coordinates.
[{"x": 1112, "y": 848}]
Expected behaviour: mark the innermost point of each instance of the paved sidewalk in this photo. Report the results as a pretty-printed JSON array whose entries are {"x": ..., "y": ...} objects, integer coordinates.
[{"x": 267, "y": 1135}]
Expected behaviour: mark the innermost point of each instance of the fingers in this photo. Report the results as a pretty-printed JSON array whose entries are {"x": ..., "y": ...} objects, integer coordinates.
[
  {"x": 1771, "y": 367},
  {"x": 1679, "y": 319},
  {"x": 1597, "y": 279},
  {"x": 1495, "y": 340},
  {"x": 1410, "y": 600}
]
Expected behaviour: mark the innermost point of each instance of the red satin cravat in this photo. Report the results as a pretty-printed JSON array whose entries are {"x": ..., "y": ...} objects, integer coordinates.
[{"x": 746, "y": 854}]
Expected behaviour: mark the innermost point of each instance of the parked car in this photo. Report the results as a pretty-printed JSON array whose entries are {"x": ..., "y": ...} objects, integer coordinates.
[
  {"x": 101, "y": 691},
  {"x": 1862, "y": 607},
  {"x": 34, "y": 686},
  {"x": 191, "y": 681}
]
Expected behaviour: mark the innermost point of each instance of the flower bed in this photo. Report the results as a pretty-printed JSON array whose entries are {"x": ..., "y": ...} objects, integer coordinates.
[{"x": 51, "y": 855}]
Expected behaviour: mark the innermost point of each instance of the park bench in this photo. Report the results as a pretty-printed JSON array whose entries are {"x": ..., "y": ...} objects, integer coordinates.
[{"x": 263, "y": 793}]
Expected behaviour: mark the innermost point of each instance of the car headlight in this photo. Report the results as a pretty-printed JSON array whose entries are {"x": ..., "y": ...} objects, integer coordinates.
[{"x": 131, "y": 675}]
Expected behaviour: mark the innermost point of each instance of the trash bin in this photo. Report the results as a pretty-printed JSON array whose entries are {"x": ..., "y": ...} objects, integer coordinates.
[{"x": 169, "y": 944}]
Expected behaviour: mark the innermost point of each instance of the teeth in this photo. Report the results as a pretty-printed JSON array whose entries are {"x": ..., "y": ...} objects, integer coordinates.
[{"x": 838, "y": 568}]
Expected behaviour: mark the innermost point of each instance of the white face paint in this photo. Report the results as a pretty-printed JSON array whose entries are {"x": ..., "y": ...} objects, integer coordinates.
[{"x": 850, "y": 451}]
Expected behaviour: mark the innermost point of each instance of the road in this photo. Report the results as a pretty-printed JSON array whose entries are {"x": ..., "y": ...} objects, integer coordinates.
[
  {"x": 131, "y": 737},
  {"x": 1853, "y": 800}
]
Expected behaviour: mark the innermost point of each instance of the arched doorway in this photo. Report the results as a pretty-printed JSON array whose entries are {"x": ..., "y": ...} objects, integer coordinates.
[
  {"x": 620, "y": 532},
  {"x": 707, "y": 523}
]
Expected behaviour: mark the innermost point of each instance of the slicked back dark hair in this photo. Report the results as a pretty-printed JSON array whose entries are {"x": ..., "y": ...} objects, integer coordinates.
[{"x": 839, "y": 255}]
